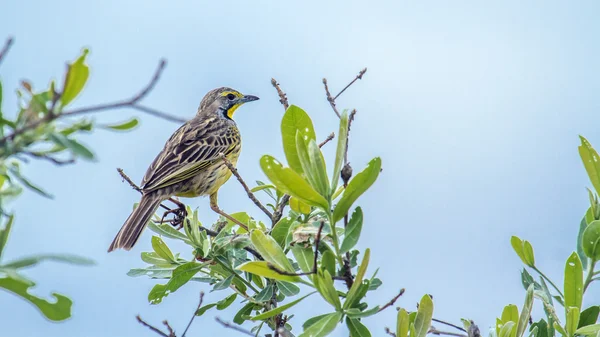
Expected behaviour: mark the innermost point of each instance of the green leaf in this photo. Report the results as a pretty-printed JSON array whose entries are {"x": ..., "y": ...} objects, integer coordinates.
[
  {"x": 123, "y": 126},
  {"x": 589, "y": 316},
  {"x": 591, "y": 240},
  {"x": 291, "y": 182},
  {"x": 357, "y": 329},
  {"x": 341, "y": 149},
  {"x": 181, "y": 275},
  {"x": 590, "y": 159},
  {"x": 308, "y": 170},
  {"x": 168, "y": 231},
  {"x": 525, "y": 312},
  {"x": 311, "y": 321},
  {"x": 528, "y": 253},
  {"x": 153, "y": 258},
  {"x": 589, "y": 330},
  {"x": 542, "y": 329},
  {"x": 33, "y": 260},
  {"x": 510, "y": 314},
  {"x": 71, "y": 144},
  {"x": 507, "y": 329},
  {"x": 357, "y": 186},
  {"x": 518, "y": 247},
  {"x": 57, "y": 310},
  {"x": 161, "y": 249},
  {"x": 528, "y": 280},
  {"x": 281, "y": 229},
  {"x": 324, "y": 283},
  {"x": 305, "y": 258},
  {"x": 261, "y": 268},
  {"x": 279, "y": 309},
  {"x": 328, "y": 262},
  {"x": 573, "y": 286},
  {"x": 4, "y": 232},
  {"x": 77, "y": 74},
  {"x": 17, "y": 174},
  {"x": 319, "y": 168},
  {"x": 402, "y": 323},
  {"x": 241, "y": 316},
  {"x": 424, "y": 316},
  {"x": 287, "y": 288},
  {"x": 298, "y": 206},
  {"x": 270, "y": 250},
  {"x": 352, "y": 232},
  {"x": 226, "y": 302},
  {"x": 295, "y": 120},
  {"x": 356, "y": 313},
  {"x": 360, "y": 274},
  {"x": 266, "y": 294},
  {"x": 582, "y": 226},
  {"x": 572, "y": 320},
  {"x": 203, "y": 309},
  {"x": 262, "y": 187},
  {"x": 325, "y": 325},
  {"x": 224, "y": 283}
]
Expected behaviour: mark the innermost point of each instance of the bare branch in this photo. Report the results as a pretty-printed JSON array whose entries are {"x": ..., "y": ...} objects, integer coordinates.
[
  {"x": 128, "y": 103},
  {"x": 330, "y": 99},
  {"x": 279, "y": 211},
  {"x": 327, "y": 140},
  {"x": 51, "y": 159},
  {"x": 194, "y": 315},
  {"x": 389, "y": 332},
  {"x": 158, "y": 331},
  {"x": 392, "y": 301},
  {"x": 9, "y": 42},
  {"x": 434, "y": 331},
  {"x": 171, "y": 332},
  {"x": 282, "y": 96},
  {"x": 233, "y": 327},
  {"x": 358, "y": 77},
  {"x": 449, "y": 324},
  {"x": 314, "y": 268},
  {"x": 235, "y": 172}
]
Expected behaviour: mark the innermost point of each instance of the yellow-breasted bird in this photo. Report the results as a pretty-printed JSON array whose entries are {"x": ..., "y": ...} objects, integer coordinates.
[{"x": 189, "y": 164}]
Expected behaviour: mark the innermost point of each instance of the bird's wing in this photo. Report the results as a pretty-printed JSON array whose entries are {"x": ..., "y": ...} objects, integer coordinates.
[{"x": 195, "y": 146}]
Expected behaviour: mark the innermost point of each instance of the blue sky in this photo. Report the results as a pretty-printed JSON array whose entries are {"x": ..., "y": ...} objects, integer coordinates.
[{"x": 474, "y": 107}]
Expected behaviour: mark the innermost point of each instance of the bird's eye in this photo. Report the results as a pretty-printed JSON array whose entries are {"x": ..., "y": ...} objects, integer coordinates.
[{"x": 231, "y": 97}]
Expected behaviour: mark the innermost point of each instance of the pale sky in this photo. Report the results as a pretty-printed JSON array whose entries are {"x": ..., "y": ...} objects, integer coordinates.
[{"x": 474, "y": 107}]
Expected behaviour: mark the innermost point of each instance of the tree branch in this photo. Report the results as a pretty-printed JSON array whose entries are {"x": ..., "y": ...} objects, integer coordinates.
[
  {"x": 9, "y": 42},
  {"x": 449, "y": 324},
  {"x": 233, "y": 327},
  {"x": 194, "y": 315},
  {"x": 282, "y": 96},
  {"x": 235, "y": 172},
  {"x": 358, "y": 77},
  {"x": 330, "y": 99},
  {"x": 53, "y": 160},
  {"x": 434, "y": 331},
  {"x": 157, "y": 330},
  {"x": 128, "y": 103},
  {"x": 392, "y": 301},
  {"x": 327, "y": 140}
]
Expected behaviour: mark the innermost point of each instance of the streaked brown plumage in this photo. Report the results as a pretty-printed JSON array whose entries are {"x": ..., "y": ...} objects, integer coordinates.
[{"x": 189, "y": 164}]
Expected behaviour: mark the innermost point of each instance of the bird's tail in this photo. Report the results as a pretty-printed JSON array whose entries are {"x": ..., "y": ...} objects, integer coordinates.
[{"x": 135, "y": 224}]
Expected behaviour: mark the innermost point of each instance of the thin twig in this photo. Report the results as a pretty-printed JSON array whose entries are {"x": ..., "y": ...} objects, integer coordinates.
[
  {"x": 392, "y": 301},
  {"x": 389, "y": 332},
  {"x": 449, "y": 324},
  {"x": 194, "y": 315},
  {"x": 314, "y": 268},
  {"x": 6, "y": 47},
  {"x": 358, "y": 77},
  {"x": 129, "y": 181},
  {"x": 171, "y": 331},
  {"x": 235, "y": 172},
  {"x": 282, "y": 96},
  {"x": 279, "y": 210},
  {"x": 233, "y": 327},
  {"x": 435, "y": 331},
  {"x": 330, "y": 99},
  {"x": 158, "y": 331},
  {"x": 130, "y": 103},
  {"x": 327, "y": 140},
  {"x": 53, "y": 160}
]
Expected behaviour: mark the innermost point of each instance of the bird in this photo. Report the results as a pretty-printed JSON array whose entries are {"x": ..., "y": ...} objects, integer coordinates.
[{"x": 190, "y": 163}]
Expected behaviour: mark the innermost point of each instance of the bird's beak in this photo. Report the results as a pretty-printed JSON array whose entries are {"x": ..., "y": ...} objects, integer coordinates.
[{"x": 248, "y": 98}]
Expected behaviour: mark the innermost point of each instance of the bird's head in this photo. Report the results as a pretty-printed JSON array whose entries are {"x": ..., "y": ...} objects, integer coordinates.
[{"x": 223, "y": 100}]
